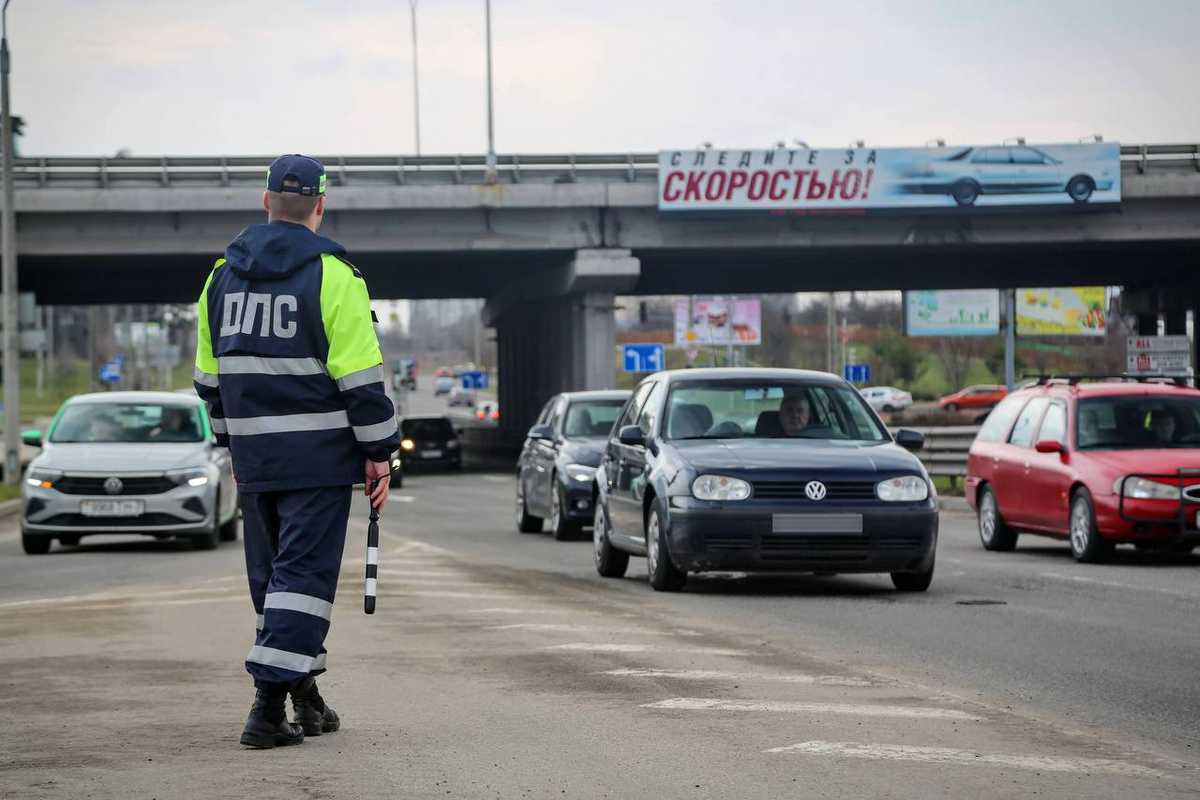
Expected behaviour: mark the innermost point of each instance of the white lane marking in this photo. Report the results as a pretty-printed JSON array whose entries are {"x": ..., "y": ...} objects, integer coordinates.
[
  {"x": 501, "y": 610},
  {"x": 401, "y": 498},
  {"x": 567, "y": 628},
  {"x": 109, "y": 597},
  {"x": 790, "y": 707},
  {"x": 950, "y": 755},
  {"x": 400, "y": 572},
  {"x": 453, "y": 595},
  {"x": 614, "y": 647},
  {"x": 717, "y": 675},
  {"x": 498, "y": 479},
  {"x": 1118, "y": 585}
]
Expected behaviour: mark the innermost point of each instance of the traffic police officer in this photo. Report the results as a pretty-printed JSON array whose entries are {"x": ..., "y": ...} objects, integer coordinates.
[{"x": 289, "y": 364}]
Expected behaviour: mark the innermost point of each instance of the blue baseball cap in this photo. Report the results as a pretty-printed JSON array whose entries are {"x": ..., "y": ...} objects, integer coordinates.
[{"x": 309, "y": 172}]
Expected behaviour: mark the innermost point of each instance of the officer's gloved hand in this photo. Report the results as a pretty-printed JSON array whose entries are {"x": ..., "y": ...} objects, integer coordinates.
[{"x": 378, "y": 474}]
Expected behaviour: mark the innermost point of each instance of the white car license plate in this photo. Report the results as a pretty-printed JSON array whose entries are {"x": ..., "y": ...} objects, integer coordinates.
[
  {"x": 431, "y": 454},
  {"x": 111, "y": 508}
]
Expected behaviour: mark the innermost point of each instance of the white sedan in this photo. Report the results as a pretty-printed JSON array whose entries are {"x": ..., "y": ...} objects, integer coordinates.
[{"x": 887, "y": 398}]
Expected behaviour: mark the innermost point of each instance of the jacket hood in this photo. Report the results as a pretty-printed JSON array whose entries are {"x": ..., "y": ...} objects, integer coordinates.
[{"x": 276, "y": 250}]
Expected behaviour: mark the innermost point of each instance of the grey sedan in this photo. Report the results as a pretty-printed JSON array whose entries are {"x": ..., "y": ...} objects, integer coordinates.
[{"x": 128, "y": 462}]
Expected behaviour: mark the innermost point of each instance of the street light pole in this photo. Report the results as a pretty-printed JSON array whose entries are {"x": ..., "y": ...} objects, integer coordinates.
[
  {"x": 412, "y": 4},
  {"x": 8, "y": 254},
  {"x": 491, "y": 133}
]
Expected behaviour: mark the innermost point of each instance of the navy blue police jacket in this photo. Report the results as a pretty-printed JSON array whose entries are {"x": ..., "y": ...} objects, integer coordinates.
[{"x": 288, "y": 362}]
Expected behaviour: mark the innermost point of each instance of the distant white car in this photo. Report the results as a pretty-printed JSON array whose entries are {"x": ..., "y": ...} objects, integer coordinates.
[
  {"x": 442, "y": 385},
  {"x": 887, "y": 398}
]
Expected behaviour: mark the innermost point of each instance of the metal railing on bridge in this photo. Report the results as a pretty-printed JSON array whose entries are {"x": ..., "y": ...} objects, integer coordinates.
[
  {"x": 220, "y": 171},
  {"x": 945, "y": 450}
]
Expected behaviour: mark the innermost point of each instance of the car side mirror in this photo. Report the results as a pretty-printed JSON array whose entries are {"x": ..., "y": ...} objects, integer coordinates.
[
  {"x": 632, "y": 435},
  {"x": 1048, "y": 446},
  {"x": 541, "y": 432},
  {"x": 32, "y": 438},
  {"x": 910, "y": 439}
]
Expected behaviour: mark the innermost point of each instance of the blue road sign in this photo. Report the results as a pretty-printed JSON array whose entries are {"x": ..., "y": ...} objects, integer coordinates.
[
  {"x": 645, "y": 357},
  {"x": 857, "y": 373},
  {"x": 474, "y": 380},
  {"x": 110, "y": 372}
]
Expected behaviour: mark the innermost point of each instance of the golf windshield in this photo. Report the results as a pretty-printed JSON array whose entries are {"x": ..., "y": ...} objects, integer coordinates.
[
  {"x": 766, "y": 409},
  {"x": 144, "y": 423},
  {"x": 1138, "y": 421},
  {"x": 591, "y": 418}
]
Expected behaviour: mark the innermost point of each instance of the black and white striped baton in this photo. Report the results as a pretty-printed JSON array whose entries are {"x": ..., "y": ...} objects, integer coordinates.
[{"x": 372, "y": 557}]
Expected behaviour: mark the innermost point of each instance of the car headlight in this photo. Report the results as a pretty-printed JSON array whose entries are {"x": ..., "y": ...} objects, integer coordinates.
[
  {"x": 720, "y": 487},
  {"x": 452, "y": 444},
  {"x": 42, "y": 478},
  {"x": 407, "y": 444},
  {"x": 1143, "y": 489},
  {"x": 581, "y": 472},
  {"x": 194, "y": 476},
  {"x": 905, "y": 489}
]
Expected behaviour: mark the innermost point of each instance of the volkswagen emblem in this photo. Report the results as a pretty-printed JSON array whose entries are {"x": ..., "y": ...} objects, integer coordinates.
[
  {"x": 815, "y": 490},
  {"x": 114, "y": 486}
]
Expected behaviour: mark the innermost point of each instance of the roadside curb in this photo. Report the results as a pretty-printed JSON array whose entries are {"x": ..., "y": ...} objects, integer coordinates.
[
  {"x": 953, "y": 504},
  {"x": 10, "y": 507}
]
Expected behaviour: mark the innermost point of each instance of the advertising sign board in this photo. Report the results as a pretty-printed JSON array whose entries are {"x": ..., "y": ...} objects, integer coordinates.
[
  {"x": 968, "y": 312},
  {"x": 1075, "y": 311},
  {"x": 868, "y": 178},
  {"x": 718, "y": 321},
  {"x": 1158, "y": 355}
]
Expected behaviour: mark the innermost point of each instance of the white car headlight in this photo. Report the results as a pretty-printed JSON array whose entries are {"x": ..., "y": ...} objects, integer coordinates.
[
  {"x": 720, "y": 487},
  {"x": 42, "y": 478},
  {"x": 1143, "y": 489},
  {"x": 452, "y": 444},
  {"x": 196, "y": 476},
  {"x": 905, "y": 489},
  {"x": 581, "y": 472}
]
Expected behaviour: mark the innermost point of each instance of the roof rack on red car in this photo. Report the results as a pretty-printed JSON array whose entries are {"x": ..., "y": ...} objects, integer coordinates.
[{"x": 1073, "y": 379}]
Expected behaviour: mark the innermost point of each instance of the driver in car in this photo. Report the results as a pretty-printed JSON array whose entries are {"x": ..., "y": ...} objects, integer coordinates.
[
  {"x": 795, "y": 414},
  {"x": 1162, "y": 425}
]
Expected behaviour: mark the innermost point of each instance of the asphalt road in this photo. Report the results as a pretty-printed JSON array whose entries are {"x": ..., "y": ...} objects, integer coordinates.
[{"x": 501, "y": 665}]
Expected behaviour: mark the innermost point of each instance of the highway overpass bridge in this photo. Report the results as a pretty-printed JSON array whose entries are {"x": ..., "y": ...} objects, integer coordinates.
[{"x": 549, "y": 241}]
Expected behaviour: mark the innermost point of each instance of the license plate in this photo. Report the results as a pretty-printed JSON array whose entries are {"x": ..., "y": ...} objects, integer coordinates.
[
  {"x": 431, "y": 454},
  {"x": 111, "y": 508},
  {"x": 851, "y": 524}
]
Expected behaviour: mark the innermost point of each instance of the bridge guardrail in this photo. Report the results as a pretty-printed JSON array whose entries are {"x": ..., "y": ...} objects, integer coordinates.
[
  {"x": 167, "y": 171},
  {"x": 945, "y": 451}
]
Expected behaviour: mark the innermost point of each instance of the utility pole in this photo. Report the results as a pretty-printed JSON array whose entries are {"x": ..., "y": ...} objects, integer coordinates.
[
  {"x": 1010, "y": 338},
  {"x": 412, "y": 4},
  {"x": 830, "y": 329},
  {"x": 491, "y": 132},
  {"x": 8, "y": 254}
]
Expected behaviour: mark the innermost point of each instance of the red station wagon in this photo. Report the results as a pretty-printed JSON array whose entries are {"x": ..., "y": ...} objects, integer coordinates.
[{"x": 1095, "y": 463}]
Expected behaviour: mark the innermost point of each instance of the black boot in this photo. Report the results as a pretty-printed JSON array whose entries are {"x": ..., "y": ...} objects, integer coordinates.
[
  {"x": 310, "y": 709},
  {"x": 267, "y": 725}
]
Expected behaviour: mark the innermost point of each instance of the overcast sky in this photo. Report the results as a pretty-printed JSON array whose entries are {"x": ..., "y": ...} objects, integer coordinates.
[{"x": 267, "y": 76}]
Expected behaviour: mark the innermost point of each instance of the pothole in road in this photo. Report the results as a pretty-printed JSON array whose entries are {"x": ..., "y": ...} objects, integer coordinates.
[{"x": 981, "y": 602}]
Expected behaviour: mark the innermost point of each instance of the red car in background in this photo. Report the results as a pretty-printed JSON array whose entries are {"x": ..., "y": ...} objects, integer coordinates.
[
  {"x": 1095, "y": 463},
  {"x": 983, "y": 396}
]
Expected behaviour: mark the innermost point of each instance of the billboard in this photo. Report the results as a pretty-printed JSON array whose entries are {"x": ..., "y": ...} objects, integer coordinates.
[
  {"x": 1074, "y": 311},
  {"x": 968, "y": 312},
  {"x": 718, "y": 321},
  {"x": 865, "y": 179}
]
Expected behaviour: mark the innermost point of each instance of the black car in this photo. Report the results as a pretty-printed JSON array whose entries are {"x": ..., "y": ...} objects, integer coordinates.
[
  {"x": 429, "y": 442},
  {"x": 556, "y": 472},
  {"x": 761, "y": 470}
]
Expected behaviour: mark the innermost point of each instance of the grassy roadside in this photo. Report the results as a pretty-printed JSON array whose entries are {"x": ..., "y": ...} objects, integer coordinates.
[
  {"x": 9, "y": 492},
  {"x": 942, "y": 484}
]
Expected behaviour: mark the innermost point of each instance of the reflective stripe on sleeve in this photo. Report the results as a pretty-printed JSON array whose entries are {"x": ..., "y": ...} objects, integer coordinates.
[
  {"x": 260, "y": 365},
  {"x": 305, "y": 604},
  {"x": 205, "y": 378},
  {"x": 258, "y": 625},
  {"x": 318, "y": 662},
  {"x": 218, "y": 424},
  {"x": 361, "y": 378},
  {"x": 287, "y": 423},
  {"x": 373, "y": 433},
  {"x": 272, "y": 657}
]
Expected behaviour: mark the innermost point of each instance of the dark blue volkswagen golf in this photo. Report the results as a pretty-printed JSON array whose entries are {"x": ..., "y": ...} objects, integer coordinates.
[{"x": 761, "y": 470}]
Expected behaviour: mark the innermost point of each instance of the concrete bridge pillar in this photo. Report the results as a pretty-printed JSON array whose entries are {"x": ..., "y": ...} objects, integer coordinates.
[{"x": 556, "y": 332}]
